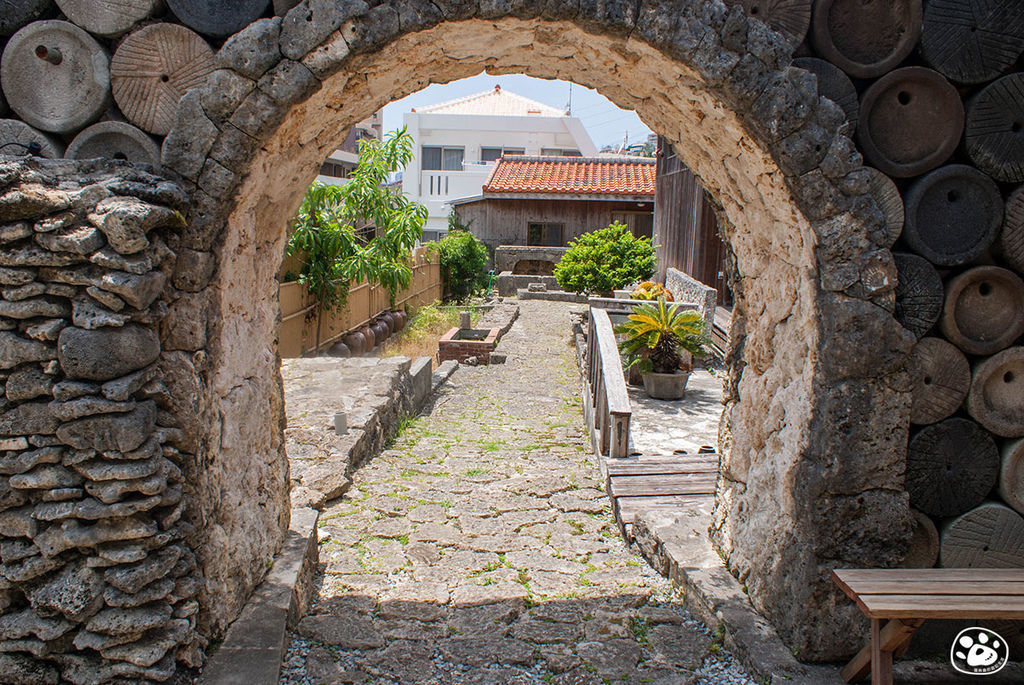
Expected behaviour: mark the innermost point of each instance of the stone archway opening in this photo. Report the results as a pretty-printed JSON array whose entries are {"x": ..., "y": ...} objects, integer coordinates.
[
  {"x": 816, "y": 418},
  {"x": 806, "y": 483}
]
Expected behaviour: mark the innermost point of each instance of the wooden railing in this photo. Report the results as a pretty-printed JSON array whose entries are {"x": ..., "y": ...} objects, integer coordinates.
[{"x": 605, "y": 400}]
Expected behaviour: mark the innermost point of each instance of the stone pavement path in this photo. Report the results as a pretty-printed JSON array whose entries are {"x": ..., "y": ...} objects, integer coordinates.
[{"x": 479, "y": 548}]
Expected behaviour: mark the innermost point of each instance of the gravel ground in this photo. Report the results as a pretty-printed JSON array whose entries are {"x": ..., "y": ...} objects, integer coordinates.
[{"x": 480, "y": 548}]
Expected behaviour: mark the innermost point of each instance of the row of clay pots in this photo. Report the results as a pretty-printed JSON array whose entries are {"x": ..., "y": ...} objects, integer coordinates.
[{"x": 376, "y": 331}]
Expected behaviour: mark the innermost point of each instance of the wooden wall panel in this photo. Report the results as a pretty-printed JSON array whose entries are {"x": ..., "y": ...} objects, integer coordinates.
[
  {"x": 685, "y": 226},
  {"x": 504, "y": 221}
]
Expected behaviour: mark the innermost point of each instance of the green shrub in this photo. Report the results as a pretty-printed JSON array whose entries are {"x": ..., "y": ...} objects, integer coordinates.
[
  {"x": 463, "y": 263},
  {"x": 604, "y": 260}
]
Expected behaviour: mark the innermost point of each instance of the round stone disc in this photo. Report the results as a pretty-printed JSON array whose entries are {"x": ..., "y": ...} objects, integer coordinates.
[
  {"x": 994, "y": 129},
  {"x": 218, "y": 17},
  {"x": 153, "y": 68},
  {"x": 107, "y": 17},
  {"x": 114, "y": 140},
  {"x": 21, "y": 134},
  {"x": 55, "y": 76}
]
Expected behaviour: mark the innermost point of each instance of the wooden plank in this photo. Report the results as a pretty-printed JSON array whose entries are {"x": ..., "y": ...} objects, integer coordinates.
[
  {"x": 655, "y": 468},
  {"x": 671, "y": 457},
  {"x": 620, "y": 436},
  {"x": 850, "y": 575},
  {"x": 627, "y": 508},
  {"x": 942, "y": 606},
  {"x": 677, "y": 484},
  {"x": 939, "y": 587},
  {"x": 611, "y": 364}
]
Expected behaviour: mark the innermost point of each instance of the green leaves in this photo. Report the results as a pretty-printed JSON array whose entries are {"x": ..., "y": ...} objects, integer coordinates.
[
  {"x": 655, "y": 332},
  {"x": 463, "y": 260},
  {"x": 325, "y": 237},
  {"x": 604, "y": 260}
]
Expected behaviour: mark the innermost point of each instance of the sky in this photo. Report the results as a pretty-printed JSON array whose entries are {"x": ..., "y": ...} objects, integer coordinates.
[{"x": 606, "y": 123}]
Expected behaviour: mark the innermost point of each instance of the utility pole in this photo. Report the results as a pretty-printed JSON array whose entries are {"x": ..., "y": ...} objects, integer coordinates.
[{"x": 568, "y": 107}]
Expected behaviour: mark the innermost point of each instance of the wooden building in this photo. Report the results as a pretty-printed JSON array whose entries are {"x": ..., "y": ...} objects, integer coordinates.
[
  {"x": 548, "y": 201},
  {"x": 685, "y": 227}
]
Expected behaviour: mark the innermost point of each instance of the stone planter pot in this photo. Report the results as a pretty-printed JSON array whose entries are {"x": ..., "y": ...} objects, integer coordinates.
[{"x": 666, "y": 386}]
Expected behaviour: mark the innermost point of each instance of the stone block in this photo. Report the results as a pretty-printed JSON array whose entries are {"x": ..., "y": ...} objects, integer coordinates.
[
  {"x": 138, "y": 291},
  {"x": 120, "y": 432},
  {"x": 311, "y": 22},
  {"x": 289, "y": 82},
  {"x": 15, "y": 350},
  {"x": 193, "y": 270},
  {"x": 105, "y": 354},
  {"x": 185, "y": 147},
  {"x": 253, "y": 50}
]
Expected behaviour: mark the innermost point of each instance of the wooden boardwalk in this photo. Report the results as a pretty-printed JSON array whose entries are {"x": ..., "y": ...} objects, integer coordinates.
[{"x": 658, "y": 482}]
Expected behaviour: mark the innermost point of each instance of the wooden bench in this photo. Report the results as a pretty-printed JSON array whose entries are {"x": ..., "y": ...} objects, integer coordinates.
[{"x": 899, "y": 600}]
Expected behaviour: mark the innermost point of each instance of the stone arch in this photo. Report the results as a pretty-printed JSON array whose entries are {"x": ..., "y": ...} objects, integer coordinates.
[{"x": 816, "y": 416}]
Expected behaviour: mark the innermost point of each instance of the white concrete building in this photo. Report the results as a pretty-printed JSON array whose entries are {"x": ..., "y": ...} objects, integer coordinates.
[
  {"x": 342, "y": 161},
  {"x": 457, "y": 143}
]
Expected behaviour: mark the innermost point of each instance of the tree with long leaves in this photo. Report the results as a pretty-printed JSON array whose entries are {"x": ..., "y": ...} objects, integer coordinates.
[{"x": 325, "y": 238}]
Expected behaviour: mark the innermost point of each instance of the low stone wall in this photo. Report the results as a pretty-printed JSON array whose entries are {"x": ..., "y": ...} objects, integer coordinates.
[
  {"x": 508, "y": 283},
  {"x": 99, "y": 576},
  {"x": 551, "y": 296},
  {"x": 375, "y": 394},
  {"x": 506, "y": 257},
  {"x": 686, "y": 288}
]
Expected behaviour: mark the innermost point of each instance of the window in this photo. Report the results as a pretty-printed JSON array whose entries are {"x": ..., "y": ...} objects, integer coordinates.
[
  {"x": 559, "y": 152},
  {"x": 546, "y": 235},
  {"x": 436, "y": 158},
  {"x": 491, "y": 154}
]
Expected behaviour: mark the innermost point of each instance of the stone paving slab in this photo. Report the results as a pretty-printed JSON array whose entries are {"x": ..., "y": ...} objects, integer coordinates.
[
  {"x": 480, "y": 548},
  {"x": 661, "y": 427}
]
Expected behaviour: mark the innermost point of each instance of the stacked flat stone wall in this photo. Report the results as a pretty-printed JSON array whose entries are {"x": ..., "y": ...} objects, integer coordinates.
[{"x": 98, "y": 580}]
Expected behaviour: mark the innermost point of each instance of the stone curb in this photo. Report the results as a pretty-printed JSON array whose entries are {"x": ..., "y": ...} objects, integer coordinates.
[
  {"x": 551, "y": 295},
  {"x": 255, "y": 643},
  {"x": 443, "y": 373},
  {"x": 677, "y": 547}
]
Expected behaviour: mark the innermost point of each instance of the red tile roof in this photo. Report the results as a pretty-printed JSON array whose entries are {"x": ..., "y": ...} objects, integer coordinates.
[{"x": 572, "y": 175}]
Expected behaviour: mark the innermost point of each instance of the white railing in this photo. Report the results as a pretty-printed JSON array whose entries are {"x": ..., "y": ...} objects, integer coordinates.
[{"x": 605, "y": 400}]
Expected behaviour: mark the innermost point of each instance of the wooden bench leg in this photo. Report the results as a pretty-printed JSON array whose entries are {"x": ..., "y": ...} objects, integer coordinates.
[
  {"x": 881, "y": 658},
  {"x": 891, "y": 640}
]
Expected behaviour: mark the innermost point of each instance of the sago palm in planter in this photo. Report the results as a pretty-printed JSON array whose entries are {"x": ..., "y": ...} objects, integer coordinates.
[{"x": 662, "y": 341}]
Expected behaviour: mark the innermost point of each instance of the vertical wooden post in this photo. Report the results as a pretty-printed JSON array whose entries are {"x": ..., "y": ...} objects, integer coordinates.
[{"x": 881, "y": 659}]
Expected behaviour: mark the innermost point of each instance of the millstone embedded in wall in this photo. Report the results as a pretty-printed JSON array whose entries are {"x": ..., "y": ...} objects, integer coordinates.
[{"x": 56, "y": 77}]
